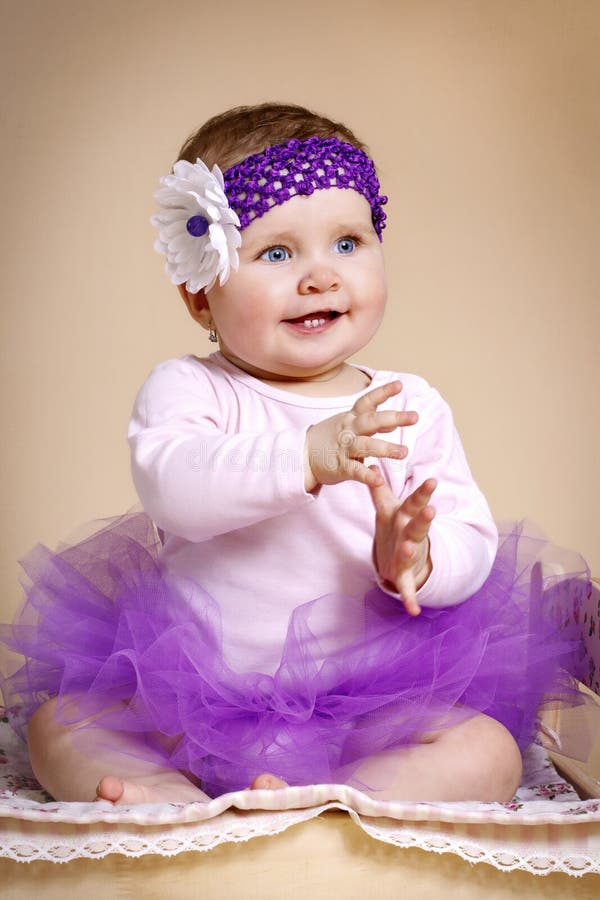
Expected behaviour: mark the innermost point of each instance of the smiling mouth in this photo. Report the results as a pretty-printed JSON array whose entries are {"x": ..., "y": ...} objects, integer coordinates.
[{"x": 315, "y": 319}]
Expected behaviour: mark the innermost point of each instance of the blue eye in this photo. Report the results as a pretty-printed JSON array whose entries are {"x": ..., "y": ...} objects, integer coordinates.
[
  {"x": 275, "y": 254},
  {"x": 345, "y": 245}
]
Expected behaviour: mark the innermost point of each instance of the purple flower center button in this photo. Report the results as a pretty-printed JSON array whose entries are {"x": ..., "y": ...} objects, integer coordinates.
[{"x": 197, "y": 226}]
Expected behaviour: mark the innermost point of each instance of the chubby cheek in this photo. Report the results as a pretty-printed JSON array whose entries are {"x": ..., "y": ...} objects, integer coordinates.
[
  {"x": 238, "y": 331},
  {"x": 374, "y": 319},
  {"x": 378, "y": 286},
  {"x": 373, "y": 296},
  {"x": 244, "y": 328},
  {"x": 232, "y": 308}
]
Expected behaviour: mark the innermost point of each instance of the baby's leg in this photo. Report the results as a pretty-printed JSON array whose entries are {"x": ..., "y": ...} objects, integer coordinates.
[
  {"x": 79, "y": 765},
  {"x": 477, "y": 759}
]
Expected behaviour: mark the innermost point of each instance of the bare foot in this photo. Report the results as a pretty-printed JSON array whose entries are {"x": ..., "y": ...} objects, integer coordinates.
[
  {"x": 268, "y": 782},
  {"x": 171, "y": 787}
]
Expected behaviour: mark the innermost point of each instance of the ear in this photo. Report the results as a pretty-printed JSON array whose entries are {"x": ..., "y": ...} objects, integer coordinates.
[{"x": 197, "y": 306}]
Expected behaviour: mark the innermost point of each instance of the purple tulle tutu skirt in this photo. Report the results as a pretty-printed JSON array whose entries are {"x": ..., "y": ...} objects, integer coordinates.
[{"x": 106, "y": 632}]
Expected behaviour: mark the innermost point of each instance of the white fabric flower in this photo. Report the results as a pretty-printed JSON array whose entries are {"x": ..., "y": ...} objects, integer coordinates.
[{"x": 198, "y": 230}]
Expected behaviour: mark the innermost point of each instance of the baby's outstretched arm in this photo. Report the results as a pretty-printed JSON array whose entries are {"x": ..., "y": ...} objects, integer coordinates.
[
  {"x": 401, "y": 547},
  {"x": 336, "y": 448}
]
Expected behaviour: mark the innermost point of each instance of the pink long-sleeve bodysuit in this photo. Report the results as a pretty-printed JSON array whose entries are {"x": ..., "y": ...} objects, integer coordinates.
[{"x": 218, "y": 462}]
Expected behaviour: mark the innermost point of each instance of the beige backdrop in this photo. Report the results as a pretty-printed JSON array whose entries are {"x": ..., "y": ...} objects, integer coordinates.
[{"x": 484, "y": 120}]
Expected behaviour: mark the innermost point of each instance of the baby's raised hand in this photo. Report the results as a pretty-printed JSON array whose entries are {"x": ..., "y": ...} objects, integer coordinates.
[
  {"x": 336, "y": 448},
  {"x": 401, "y": 539}
]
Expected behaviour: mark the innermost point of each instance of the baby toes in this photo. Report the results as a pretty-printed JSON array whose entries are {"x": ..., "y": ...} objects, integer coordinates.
[{"x": 268, "y": 782}]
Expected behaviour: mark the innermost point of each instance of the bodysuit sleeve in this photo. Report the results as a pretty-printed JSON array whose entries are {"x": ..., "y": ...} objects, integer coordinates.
[
  {"x": 463, "y": 535},
  {"x": 195, "y": 478}
]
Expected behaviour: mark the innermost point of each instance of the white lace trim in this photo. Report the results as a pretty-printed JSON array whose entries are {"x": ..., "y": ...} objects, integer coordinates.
[{"x": 505, "y": 849}]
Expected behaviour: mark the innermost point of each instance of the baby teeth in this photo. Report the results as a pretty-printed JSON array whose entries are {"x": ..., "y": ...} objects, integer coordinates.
[{"x": 313, "y": 323}]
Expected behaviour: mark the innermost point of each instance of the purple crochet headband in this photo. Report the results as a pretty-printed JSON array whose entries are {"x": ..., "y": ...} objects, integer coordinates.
[
  {"x": 202, "y": 212},
  {"x": 279, "y": 173}
]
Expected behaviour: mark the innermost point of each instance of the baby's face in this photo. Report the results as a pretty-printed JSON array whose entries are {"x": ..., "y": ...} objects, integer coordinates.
[{"x": 310, "y": 289}]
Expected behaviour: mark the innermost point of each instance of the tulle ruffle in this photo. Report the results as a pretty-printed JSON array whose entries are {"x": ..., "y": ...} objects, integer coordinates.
[{"x": 105, "y": 631}]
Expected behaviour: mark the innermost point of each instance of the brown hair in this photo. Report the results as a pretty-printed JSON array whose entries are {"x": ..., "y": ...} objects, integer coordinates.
[{"x": 230, "y": 137}]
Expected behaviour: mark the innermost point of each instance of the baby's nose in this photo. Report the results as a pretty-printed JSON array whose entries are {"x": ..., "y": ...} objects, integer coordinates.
[{"x": 318, "y": 279}]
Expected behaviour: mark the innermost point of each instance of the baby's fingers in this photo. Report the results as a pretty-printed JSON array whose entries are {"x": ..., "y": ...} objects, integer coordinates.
[
  {"x": 406, "y": 587},
  {"x": 382, "y": 495},
  {"x": 419, "y": 498},
  {"x": 417, "y": 528},
  {"x": 371, "y": 476},
  {"x": 362, "y": 447},
  {"x": 372, "y": 399},
  {"x": 370, "y": 423}
]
